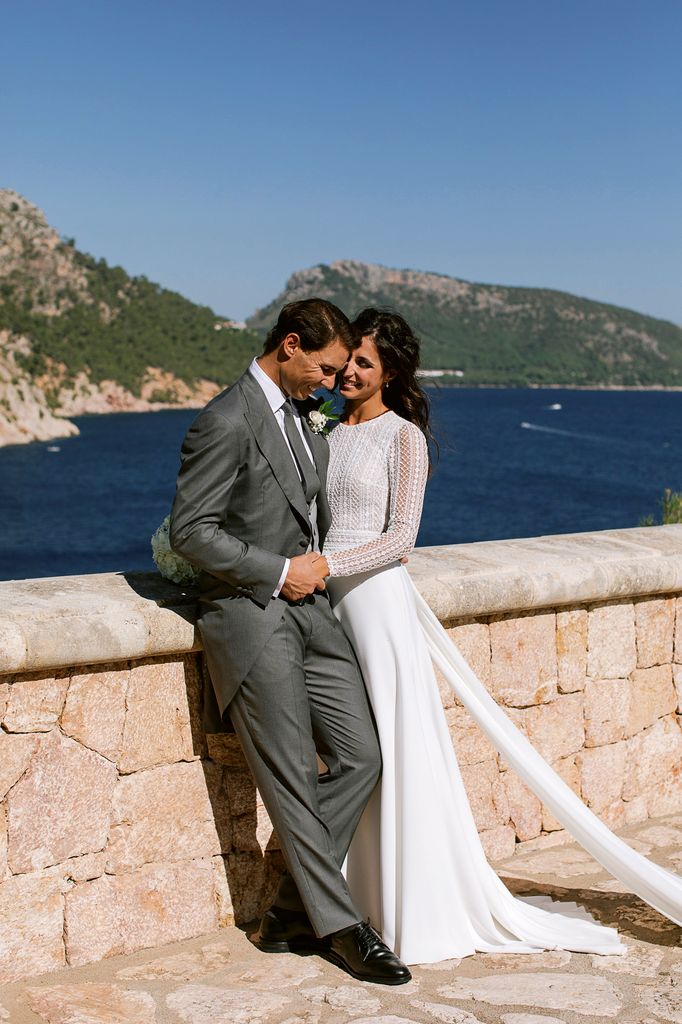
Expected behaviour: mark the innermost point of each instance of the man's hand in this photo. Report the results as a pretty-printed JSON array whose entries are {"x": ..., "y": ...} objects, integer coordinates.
[
  {"x": 305, "y": 576},
  {"x": 321, "y": 564}
]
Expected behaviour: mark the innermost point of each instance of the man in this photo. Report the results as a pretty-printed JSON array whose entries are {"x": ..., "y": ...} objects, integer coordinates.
[{"x": 251, "y": 511}]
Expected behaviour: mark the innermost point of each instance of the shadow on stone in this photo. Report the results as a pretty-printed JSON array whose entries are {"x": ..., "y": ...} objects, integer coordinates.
[
  {"x": 622, "y": 910},
  {"x": 249, "y": 850}
]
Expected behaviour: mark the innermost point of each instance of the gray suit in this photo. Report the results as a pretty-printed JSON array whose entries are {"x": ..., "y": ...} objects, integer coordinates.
[{"x": 286, "y": 671}]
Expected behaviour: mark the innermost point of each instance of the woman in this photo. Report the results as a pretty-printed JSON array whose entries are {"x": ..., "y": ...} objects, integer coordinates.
[{"x": 416, "y": 866}]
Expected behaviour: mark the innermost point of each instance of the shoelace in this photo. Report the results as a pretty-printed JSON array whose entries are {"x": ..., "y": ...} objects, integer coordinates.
[{"x": 367, "y": 939}]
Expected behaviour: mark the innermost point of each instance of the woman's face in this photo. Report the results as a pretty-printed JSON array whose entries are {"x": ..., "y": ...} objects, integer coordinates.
[{"x": 363, "y": 374}]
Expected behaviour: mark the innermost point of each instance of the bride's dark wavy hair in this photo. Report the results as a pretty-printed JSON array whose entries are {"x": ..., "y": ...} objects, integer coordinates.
[{"x": 399, "y": 350}]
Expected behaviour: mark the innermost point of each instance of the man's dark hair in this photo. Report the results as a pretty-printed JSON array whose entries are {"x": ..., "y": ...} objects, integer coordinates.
[{"x": 317, "y": 323}]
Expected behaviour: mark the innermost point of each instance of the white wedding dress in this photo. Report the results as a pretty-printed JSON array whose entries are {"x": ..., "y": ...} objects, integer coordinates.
[{"x": 416, "y": 866}]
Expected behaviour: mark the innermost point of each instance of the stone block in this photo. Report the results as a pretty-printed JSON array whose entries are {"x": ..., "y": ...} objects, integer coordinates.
[
  {"x": 31, "y": 926},
  {"x": 584, "y": 994},
  {"x": 677, "y": 654},
  {"x": 35, "y": 703},
  {"x": 225, "y": 748},
  {"x": 240, "y": 790},
  {"x": 216, "y": 775},
  {"x": 4, "y": 866},
  {"x": 91, "y": 1002},
  {"x": 524, "y": 659},
  {"x": 16, "y": 751},
  {"x": 471, "y": 745},
  {"x": 525, "y": 810},
  {"x": 556, "y": 729},
  {"x": 652, "y": 696},
  {"x": 601, "y": 774},
  {"x": 655, "y": 627},
  {"x": 571, "y": 645},
  {"x": 223, "y": 894},
  {"x": 253, "y": 881},
  {"x": 568, "y": 771},
  {"x": 85, "y": 868},
  {"x": 611, "y": 648},
  {"x": 156, "y": 904},
  {"x": 214, "y": 1004},
  {"x": 472, "y": 640},
  {"x": 545, "y": 842},
  {"x": 607, "y": 705},
  {"x": 666, "y": 797},
  {"x": 196, "y": 678},
  {"x": 653, "y": 757},
  {"x": 677, "y": 681},
  {"x": 635, "y": 811},
  {"x": 253, "y": 830},
  {"x": 487, "y": 794},
  {"x": 61, "y": 805},
  {"x": 210, "y": 957},
  {"x": 498, "y": 843},
  {"x": 5, "y": 690},
  {"x": 614, "y": 816},
  {"x": 94, "y": 710},
  {"x": 447, "y": 694},
  {"x": 160, "y": 816},
  {"x": 157, "y": 726}
]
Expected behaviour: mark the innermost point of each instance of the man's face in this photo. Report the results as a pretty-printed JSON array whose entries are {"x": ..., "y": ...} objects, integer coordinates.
[{"x": 302, "y": 372}]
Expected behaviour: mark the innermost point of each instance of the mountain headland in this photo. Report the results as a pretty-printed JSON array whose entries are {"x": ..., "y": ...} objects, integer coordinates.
[
  {"x": 79, "y": 336},
  {"x": 491, "y": 334}
]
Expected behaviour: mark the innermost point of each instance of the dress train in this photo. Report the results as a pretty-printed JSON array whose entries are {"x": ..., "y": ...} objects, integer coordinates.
[{"x": 416, "y": 866}]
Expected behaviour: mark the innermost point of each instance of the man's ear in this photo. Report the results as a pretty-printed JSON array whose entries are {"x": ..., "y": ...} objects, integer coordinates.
[{"x": 290, "y": 344}]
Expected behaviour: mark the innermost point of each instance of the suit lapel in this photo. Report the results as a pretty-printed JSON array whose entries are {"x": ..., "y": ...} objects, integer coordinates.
[{"x": 270, "y": 440}]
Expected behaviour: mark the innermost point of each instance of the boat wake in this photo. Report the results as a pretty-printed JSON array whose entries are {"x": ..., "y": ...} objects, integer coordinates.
[{"x": 564, "y": 433}]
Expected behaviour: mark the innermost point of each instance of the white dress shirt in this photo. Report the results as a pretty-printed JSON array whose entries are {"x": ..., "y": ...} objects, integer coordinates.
[{"x": 276, "y": 399}]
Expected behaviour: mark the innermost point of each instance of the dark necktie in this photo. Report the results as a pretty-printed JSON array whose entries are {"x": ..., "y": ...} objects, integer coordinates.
[{"x": 310, "y": 481}]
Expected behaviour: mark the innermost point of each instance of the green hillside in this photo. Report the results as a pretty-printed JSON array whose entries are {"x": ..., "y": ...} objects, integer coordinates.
[
  {"x": 501, "y": 335},
  {"x": 82, "y": 313},
  {"x": 147, "y": 326}
]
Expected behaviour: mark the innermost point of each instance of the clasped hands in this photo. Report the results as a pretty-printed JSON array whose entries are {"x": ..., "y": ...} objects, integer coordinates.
[{"x": 306, "y": 575}]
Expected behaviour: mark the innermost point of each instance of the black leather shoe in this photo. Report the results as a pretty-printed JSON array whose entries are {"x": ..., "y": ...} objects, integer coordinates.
[
  {"x": 362, "y": 954},
  {"x": 287, "y": 931}
]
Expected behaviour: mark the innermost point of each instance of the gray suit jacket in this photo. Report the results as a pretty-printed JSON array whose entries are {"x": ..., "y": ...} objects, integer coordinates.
[{"x": 239, "y": 511}]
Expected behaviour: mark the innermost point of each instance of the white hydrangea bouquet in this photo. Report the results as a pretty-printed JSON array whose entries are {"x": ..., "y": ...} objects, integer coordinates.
[{"x": 171, "y": 566}]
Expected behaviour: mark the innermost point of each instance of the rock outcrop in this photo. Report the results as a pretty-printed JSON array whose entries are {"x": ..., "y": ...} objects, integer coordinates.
[{"x": 54, "y": 299}]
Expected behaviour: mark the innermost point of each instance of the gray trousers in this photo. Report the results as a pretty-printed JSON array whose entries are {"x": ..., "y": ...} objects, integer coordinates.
[{"x": 305, "y": 696}]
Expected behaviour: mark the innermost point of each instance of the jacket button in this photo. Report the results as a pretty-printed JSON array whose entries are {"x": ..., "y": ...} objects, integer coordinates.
[{"x": 303, "y": 543}]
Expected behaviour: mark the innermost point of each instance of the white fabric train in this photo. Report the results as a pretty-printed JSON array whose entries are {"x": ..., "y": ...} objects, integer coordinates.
[{"x": 660, "y": 888}]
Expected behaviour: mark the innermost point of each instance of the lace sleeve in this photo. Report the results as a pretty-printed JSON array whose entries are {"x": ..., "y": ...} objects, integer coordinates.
[{"x": 408, "y": 464}]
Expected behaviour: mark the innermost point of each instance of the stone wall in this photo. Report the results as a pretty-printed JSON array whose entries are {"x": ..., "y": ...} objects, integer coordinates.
[{"x": 122, "y": 825}]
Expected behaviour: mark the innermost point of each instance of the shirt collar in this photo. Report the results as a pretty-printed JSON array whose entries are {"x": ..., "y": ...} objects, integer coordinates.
[{"x": 273, "y": 393}]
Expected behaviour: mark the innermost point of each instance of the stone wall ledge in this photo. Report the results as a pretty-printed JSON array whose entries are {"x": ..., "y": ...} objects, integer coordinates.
[
  {"x": 112, "y": 617},
  {"x": 495, "y": 577}
]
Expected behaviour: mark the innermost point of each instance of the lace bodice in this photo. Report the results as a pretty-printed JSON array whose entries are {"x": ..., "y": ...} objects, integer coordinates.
[{"x": 375, "y": 484}]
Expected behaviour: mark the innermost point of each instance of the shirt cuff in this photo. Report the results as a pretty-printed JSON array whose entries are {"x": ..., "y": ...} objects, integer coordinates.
[{"x": 282, "y": 578}]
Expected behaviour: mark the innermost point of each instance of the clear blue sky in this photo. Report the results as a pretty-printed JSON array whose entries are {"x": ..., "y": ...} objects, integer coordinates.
[{"x": 218, "y": 146}]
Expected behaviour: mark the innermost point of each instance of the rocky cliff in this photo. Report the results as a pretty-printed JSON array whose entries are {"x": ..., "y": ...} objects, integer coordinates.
[{"x": 78, "y": 336}]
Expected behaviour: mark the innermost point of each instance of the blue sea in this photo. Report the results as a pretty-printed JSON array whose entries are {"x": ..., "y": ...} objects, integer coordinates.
[{"x": 513, "y": 463}]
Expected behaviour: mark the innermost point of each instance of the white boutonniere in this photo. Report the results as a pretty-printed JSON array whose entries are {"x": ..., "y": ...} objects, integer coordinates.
[{"x": 319, "y": 419}]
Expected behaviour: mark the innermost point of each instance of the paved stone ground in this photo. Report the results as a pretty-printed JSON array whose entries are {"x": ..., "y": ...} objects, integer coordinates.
[{"x": 222, "y": 979}]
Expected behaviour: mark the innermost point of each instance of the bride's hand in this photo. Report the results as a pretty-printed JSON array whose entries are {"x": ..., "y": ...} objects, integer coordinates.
[{"x": 320, "y": 563}]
